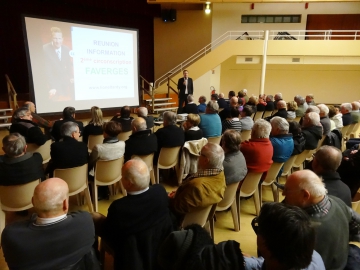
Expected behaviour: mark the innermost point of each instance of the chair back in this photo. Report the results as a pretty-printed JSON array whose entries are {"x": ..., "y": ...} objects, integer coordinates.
[
  {"x": 267, "y": 114},
  {"x": 297, "y": 119},
  {"x": 274, "y": 111},
  {"x": 215, "y": 140},
  {"x": 355, "y": 130},
  {"x": 43, "y": 150},
  {"x": 123, "y": 136},
  {"x": 272, "y": 173},
  {"x": 245, "y": 135},
  {"x": 288, "y": 165},
  {"x": 94, "y": 140},
  {"x": 18, "y": 197},
  {"x": 148, "y": 159},
  {"x": 198, "y": 216},
  {"x": 300, "y": 158},
  {"x": 108, "y": 172},
  {"x": 320, "y": 143},
  {"x": 168, "y": 157},
  {"x": 344, "y": 130},
  {"x": 229, "y": 197},
  {"x": 258, "y": 115},
  {"x": 250, "y": 184},
  {"x": 76, "y": 178},
  {"x": 355, "y": 201},
  {"x": 351, "y": 128}
]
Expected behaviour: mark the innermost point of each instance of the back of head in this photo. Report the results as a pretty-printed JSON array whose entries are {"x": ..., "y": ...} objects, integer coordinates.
[
  {"x": 21, "y": 112},
  {"x": 125, "y": 112},
  {"x": 30, "y": 105},
  {"x": 278, "y": 96},
  {"x": 49, "y": 197},
  {"x": 14, "y": 145},
  {"x": 324, "y": 110},
  {"x": 261, "y": 129},
  {"x": 234, "y": 111},
  {"x": 328, "y": 158},
  {"x": 234, "y": 101},
  {"x": 281, "y": 104},
  {"x": 299, "y": 100},
  {"x": 212, "y": 107},
  {"x": 68, "y": 112},
  {"x": 332, "y": 111},
  {"x": 214, "y": 97},
  {"x": 269, "y": 98},
  {"x": 231, "y": 94},
  {"x": 292, "y": 106},
  {"x": 309, "y": 181},
  {"x": 138, "y": 124},
  {"x": 312, "y": 108},
  {"x": 355, "y": 105},
  {"x": 247, "y": 110},
  {"x": 231, "y": 140},
  {"x": 221, "y": 95},
  {"x": 293, "y": 247},
  {"x": 253, "y": 100},
  {"x": 190, "y": 98},
  {"x": 142, "y": 111},
  {"x": 112, "y": 128},
  {"x": 202, "y": 99},
  {"x": 96, "y": 116},
  {"x": 346, "y": 106},
  {"x": 68, "y": 128},
  {"x": 193, "y": 119},
  {"x": 135, "y": 175},
  {"x": 280, "y": 124},
  {"x": 215, "y": 155},
  {"x": 312, "y": 119},
  {"x": 169, "y": 118}
]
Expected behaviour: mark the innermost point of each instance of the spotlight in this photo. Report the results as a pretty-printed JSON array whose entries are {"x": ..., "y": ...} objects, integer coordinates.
[{"x": 207, "y": 9}]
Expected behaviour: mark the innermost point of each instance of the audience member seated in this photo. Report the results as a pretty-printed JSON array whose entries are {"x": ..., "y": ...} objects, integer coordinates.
[
  {"x": 312, "y": 130},
  {"x": 170, "y": 135},
  {"x": 355, "y": 113},
  {"x": 281, "y": 107},
  {"x": 230, "y": 95},
  {"x": 234, "y": 163},
  {"x": 124, "y": 119},
  {"x": 258, "y": 151},
  {"x": 244, "y": 93},
  {"x": 325, "y": 163},
  {"x": 301, "y": 106},
  {"x": 346, "y": 110},
  {"x": 241, "y": 96},
  {"x": 204, "y": 188},
  {"x": 246, "y": 121},
  {"x": 281, "y": 140},
  {"x": 335, "y": 223},
  {"x": 310, "y": 100},
  {"x": 240, "y": 104},
  {"x": 269, "y": 103},
  {"x": 136, "y": 224},
  {"x": 143, "y": 112},
  {"x": 24, "y": 125},
  {"x": 52, "y": 238},
  {"x": 253, "y": 101},
  {"x": 191, "y": 128},
  {"x": 214, "y": 97},
  {"x": 37, "y": 119},
  {"x": 312, "y": 108},
  {"x": 69, "y": 152},
  {"x": 95, "y": 125},
  {"x": 291, "y": 107},
  {"x": 141, "y": 142},
  {"x": 324, "y": 118},
  {"x": 210, "y": 122},
  {"x": 221, "y": 101},
  {"x": 298, "y": 138},
  {"x": 68, "y": 116},
  {"x": 336, "y": 116},
  {"x": 260, "y": 107},
  {"x": 234, "y": 122},
  {"x": 277, "y": 97},
  {"x": 16, "y": 166},
  {"x": 190, "y": 107},
  {"x": 225, "y": 113},
  {"x": 194, "y": 249},
  {"x": 293, "y": 248},
  {"x": 111, "y": 148},
  {"x": 202, "y": 104}
]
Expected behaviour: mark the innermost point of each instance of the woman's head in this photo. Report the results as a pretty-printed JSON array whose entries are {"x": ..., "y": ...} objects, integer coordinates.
[{"x": 96, "y": 116}]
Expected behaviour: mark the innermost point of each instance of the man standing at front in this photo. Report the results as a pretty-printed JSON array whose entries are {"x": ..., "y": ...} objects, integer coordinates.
[{"x": 185, "y": 87}]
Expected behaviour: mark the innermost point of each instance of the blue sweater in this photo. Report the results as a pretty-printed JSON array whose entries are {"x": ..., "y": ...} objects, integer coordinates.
[
  {"x": 283, "y": 147},
  {"x": 210, "y": 124}
]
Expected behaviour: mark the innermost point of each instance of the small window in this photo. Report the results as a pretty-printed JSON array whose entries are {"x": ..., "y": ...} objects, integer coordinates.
[{"x": 270, "y": 18}]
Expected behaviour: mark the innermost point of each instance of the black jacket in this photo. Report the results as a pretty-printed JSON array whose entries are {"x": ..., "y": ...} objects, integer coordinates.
[
  {"x": 29, "y": 130},
  {"x": 190, "y": 108},
  {"x": 336, "y": 187},
  {"x": 56, "y": 130},
  {"x": 312, "y": 136},
  {"x": 140, "y": 143}
]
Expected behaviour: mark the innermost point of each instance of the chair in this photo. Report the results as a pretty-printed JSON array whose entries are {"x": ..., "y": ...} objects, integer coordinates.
[
  {"x": 274, "y": 111},
  {"x": 123, "y": 136},
  {"x": 288, "y": 166},
  {"x": 252, "y": 115},
  {"x": 94, "y": 140},
  {"x": 230, "y": 201},
  {"x": 258, "y": 115},
  {"x": 15, "y": 198},
  {"x": 267, "y": 114},
  {"x": 107, "y": 172},
  {"x": 353, "y": 133},
  {"x": 298, "y": 163},
  {"x": 168, "y": 158},
  {"x": 271, "y": 177},
  {"x": 320, "y": 143},
  {"x": 245, "y": 135},
  {"x": 76, "y": 178},
  {"x": 350, "y": 130},
  {"x": 248, "y": 188},
  {"x": 148, "y": 159},
  {"x": 43, "y": 150},
  {"x": 356, "y": 201},
  {"x": 215, "y": 140}
]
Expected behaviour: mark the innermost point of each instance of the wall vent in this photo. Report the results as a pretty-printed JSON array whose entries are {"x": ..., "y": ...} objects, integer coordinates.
[
  {"x": 248, "y": 59},
  {"x": 296, "y": 60}
]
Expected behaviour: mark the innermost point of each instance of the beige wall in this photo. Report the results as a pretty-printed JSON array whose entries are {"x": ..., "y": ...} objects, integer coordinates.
[{"x": 175, "y": 42}]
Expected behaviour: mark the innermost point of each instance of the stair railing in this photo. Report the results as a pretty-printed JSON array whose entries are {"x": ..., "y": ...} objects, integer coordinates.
[
  {"x": 148, "y": 88},
  {"x": 11, "y": 93}
]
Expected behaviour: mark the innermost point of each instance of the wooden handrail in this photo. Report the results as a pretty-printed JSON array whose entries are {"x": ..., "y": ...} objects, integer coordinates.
[{"x": 11, "y": 93}]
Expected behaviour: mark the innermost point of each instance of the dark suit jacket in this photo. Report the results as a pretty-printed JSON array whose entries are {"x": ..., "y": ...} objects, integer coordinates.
[
  {"x": 347, "y": 119},
  {"x": 336, "y": 187},
  {"x": 58, "y": 72},
  {"x": 269, "y": 106},
  {"x": 140, "y": 143},
  {"x": 68, "y": 153},
  {"x": 149, "y": 121},
  {"x": 281, "y": 113},
  {"x": 222, "y": 103},
  {"x": 182, "y": 87},
  {"x": 29, "y": 130},
  {"x": 56, "y": 130},
  {"x": 169, "y": 136},
  {"x": 125, "y": 122},
  {"x": 190, "y": 108}
]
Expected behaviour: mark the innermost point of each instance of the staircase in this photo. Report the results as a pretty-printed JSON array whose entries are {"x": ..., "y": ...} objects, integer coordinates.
[
  {"x": 5, "y": 118},
  {"x": 160, "y": 105}
]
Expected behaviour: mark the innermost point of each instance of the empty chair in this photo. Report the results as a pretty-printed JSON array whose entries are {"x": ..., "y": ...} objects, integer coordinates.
[
  {"x": 245, "y": 135},
  {"x": 123, "y": 136},
  {"x": 288, "y": 166},
  {"x": 271, "y": 177},
  {"x": 76, "y": 178},
  {"x": 107, "y": 172},
  {"x": 320, "y": 143},
  {"x": 168, "y": 158},
  {"x": 353, "y": 133},
  {"x": 258, "y": 115},
  {"x": 94, "y": 140},
  {"x": 267, "y": 114},
  {"x": 43, "y": 150},
  {"x": 215, "y": 140},
  {"x": 148, "y": 159},
  {"x": 248, "y": 188}
]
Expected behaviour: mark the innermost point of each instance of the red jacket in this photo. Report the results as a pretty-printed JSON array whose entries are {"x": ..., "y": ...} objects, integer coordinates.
[{"x": 258, "y": 154}]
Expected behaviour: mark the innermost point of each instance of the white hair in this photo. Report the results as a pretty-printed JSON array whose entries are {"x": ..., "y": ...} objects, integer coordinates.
[
  {"x": 313, "y": 108},
  {"x": 278, "y": 95},
  {"x": 314, "y": 118},
  {"x": 215, "y": 154},
  {"x": 190, "y": 98},
  {"x": 281, "y": 104},
  {"x": 355, "y": 105},
  {"x": 213, "y": 106},
  {"x": 261, "y": 129},
  {"x": 244, "y": 91},
  {"x": 137, "y": 173},
  {"x": 347, "y": 106},
  {"x": 299, "y": 100},
  {"x": 280, "y": 123},
  {"x": 313, "y": 184},
  {"x": 170, "y": 117},
  {"x": 323, "y": 109},
  {"x": 68, "y": 128},
  {"x": 142, "y": 111}
]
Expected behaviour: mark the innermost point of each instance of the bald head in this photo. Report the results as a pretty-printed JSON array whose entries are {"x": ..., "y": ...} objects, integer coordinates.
[
  {"x": 31, "y": 106},
  {"x": 135, "y": 175},
  {"x": 234, "y": 101},
  {"x": 51, "y": 198},
  {"x": 326, "y": 159},
  {"x": 221, "y": 95},
  {"x": 281, "y": 104},
  {"x": 138, "y": 124}
]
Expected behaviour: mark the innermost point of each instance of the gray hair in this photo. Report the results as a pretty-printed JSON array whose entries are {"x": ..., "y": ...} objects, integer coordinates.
[
  {"x": 170, "y": 117},
  {"x": 139, "y": 123},
  {"x": 299, "y": 100},
  {"x": 215, "y": 154},
  {"x": 136, "y": 172},
  {"x": 270, "y": 97},
  {"x": 278, "y": 96},
  {"x": 314, "y": 118},
  {"x": 312, "y": 183},
  {"x": 244, "y": 91},
  {"x": 21, "y": 112},
  {"x": 142, "y": 111},
  {"x": 190, "y": 98},
  {"x": 212, "y": 106},
  {"x": 261, "y": 129},
  {"x": 323, "y": 108},
  {"x": 280, "y": 123},
  {"x": 68, "y": 128},
  {"x": 14, "y": 144},
  {"x": 221, "y": 95},
  {"x": 355, "y": 105},
  {"x": 313, "y": 108},
  {"x": 347, "y": 106}
]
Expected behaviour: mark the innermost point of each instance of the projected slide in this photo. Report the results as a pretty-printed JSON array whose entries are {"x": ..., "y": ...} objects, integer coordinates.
[{"x": 81, "y": 65}]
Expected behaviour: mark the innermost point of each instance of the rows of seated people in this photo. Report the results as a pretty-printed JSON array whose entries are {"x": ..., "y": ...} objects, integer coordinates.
[{"x": 148, "y": 215}]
